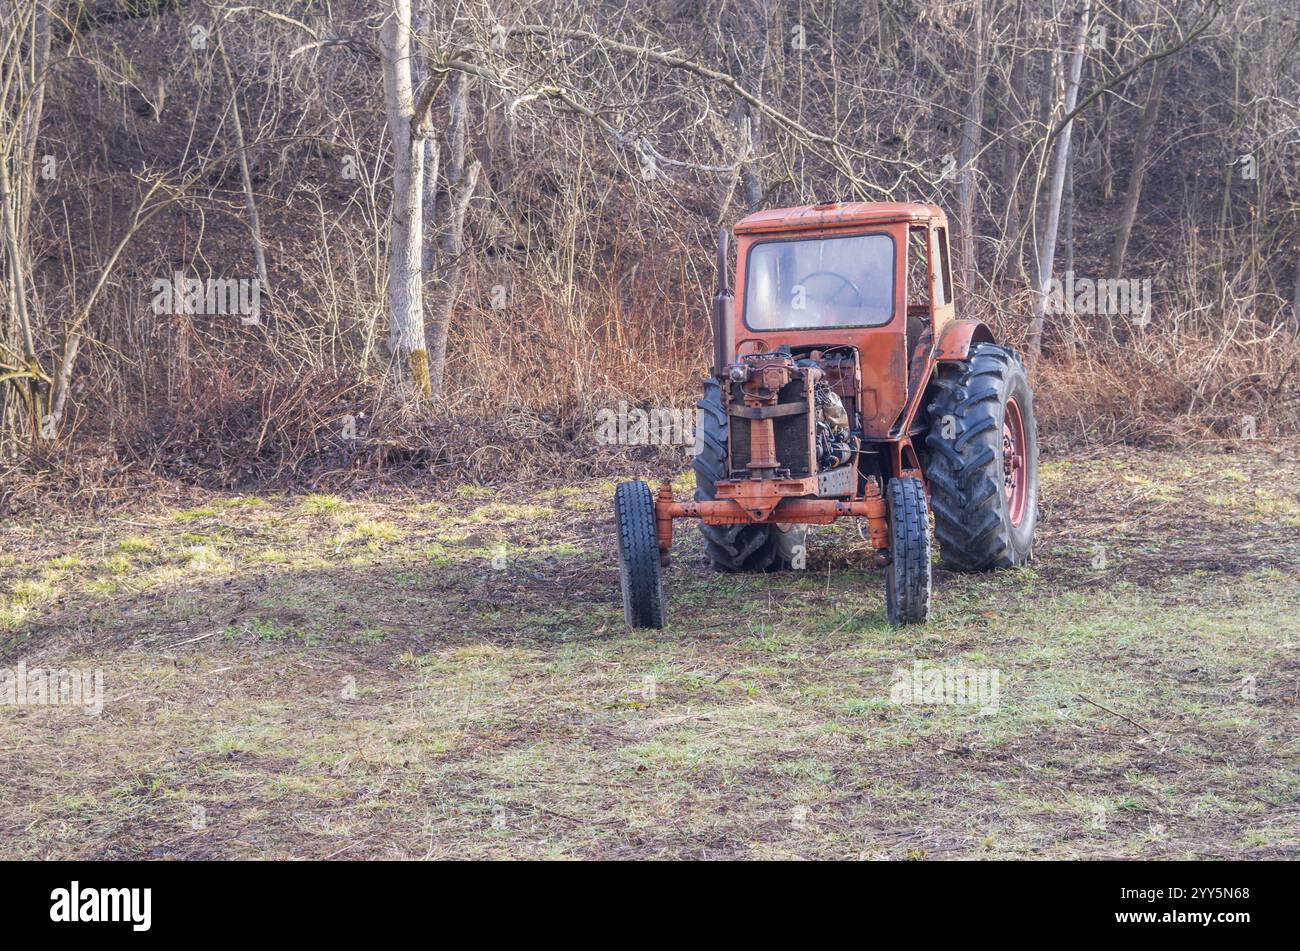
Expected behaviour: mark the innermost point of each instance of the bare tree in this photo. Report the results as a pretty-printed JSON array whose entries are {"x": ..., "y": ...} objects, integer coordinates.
[
  {"x": 1047, "y": 250},
  {"x": 447, "y": 265},
  {"x": 971, "y": 132},
  {"x": 25, "y": 37},
  {"x": 406, "y": 337},
  {"x": 731, "y": 105},
  {"x": 1138, "y": 169},
  {"x": 245, "y": 175}
]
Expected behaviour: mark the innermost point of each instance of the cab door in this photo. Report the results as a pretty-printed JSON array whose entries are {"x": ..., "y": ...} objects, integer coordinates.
[{"x": 942, "y": 310}]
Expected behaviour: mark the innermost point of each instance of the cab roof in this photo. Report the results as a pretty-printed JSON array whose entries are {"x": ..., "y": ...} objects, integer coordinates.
[{"x": 835, "y": 214}]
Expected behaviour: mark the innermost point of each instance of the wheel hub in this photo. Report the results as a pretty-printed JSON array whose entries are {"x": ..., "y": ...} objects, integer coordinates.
[{"x": 1015, "y": 474}]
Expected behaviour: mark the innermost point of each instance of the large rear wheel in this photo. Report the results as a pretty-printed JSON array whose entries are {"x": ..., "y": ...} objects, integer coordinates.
[
  {"x": 983, "y": 461},
  {"x": 736, "y": 547}
]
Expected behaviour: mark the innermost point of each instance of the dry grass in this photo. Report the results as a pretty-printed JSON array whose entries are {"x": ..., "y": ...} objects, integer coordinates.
[{"x": 1173, "y": 390}]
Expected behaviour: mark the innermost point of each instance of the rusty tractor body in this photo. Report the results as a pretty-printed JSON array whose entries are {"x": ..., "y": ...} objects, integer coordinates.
[{"x": 844, "y": 385}]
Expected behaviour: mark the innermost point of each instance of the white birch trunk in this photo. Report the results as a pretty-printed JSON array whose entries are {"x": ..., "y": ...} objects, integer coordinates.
[{"x": 406, "y": 338}]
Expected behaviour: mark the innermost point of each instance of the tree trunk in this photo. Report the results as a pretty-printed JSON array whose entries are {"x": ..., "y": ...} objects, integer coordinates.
[
  {"x": 1141, "y": 149},
  {"x": 24, "y": 395},
  {"x": 451, "y": 246},
  {"x": 1047, "y": 251},
  {"x": 1105, "y": 119},
  {"x": 250, "y": 201},
  {"x": 406, "y": 339},
  {"x": 1067, "y": 215},
  {"x": 432, "y": 155},
  {"x": 1295, "y": 298},
  {"x": 751, "y": 175},
  {"x": 1015, "y": 119},
  {"x": 971, "y": 132},
  {"x": 1046, "y": 102},
  {"x": 32, "y": 120},
  {"x": 742, "y": 120}
]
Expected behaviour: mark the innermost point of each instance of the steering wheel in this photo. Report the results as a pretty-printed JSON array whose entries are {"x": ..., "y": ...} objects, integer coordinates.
[{"x": 844, "y": 282}]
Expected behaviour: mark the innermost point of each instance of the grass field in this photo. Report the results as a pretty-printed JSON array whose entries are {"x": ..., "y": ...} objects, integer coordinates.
[{"x": 402, "y": 677}]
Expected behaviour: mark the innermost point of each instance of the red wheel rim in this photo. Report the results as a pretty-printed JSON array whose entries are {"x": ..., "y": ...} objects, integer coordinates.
[{"x": 1015, "y": 466}]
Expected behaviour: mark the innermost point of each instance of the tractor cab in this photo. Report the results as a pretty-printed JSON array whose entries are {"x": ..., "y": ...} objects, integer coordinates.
[{"x": 869, "y": 277}]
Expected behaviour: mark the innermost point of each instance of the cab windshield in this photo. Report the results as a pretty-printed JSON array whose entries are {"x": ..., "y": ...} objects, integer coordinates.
[{"x": 820, "y": 282}]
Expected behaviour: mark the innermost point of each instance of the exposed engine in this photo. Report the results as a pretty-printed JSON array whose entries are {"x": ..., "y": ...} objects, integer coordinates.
[
  {"x": 834, "y": 445},
  {"x": 833, "y": 434},
  {"x": 789, "y": 418}
]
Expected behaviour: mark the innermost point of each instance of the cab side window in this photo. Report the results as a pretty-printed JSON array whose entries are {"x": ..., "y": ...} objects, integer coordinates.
[
  {"x": 918, "y": 270},
  {"x": 945, "y": 271}
]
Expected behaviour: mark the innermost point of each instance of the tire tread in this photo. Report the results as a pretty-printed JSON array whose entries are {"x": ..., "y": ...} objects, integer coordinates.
[
  {"x": 965, "y": 472},
  {"x": 640, "y": 571}
]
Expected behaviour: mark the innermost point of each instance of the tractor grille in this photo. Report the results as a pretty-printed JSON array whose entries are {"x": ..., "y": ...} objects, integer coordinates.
[{"x": 793, "y": 434}]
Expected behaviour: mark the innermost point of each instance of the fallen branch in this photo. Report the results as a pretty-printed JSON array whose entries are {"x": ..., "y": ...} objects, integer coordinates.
[{"x": 1115, "y": 714}]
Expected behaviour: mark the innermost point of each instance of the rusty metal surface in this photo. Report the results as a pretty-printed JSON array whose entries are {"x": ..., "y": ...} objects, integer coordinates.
[
  {"x": 956, "y": 338},
  {"x": 891, "y": 391},
  {"x": 749, "y": 501},
  {"x": 838, "y": 215},
  {"x": 882, "y": 356},
  {"x": 757, "y": 498},
  {"x": 837, "y": 482},
  {"x": 769, "y": 406},
  {"x": 664, "y": 516}
]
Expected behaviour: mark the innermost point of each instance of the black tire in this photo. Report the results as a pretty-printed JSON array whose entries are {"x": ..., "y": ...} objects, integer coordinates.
[
  {"x": 640, "y": 573},
  {"x": 736, "y": 547},
  {"x": 972, "y": 519},
  {"x": 907, "y": 577}
]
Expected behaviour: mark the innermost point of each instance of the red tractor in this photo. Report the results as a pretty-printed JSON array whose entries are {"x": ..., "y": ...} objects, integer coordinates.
[{"x": 844, "y": 385}]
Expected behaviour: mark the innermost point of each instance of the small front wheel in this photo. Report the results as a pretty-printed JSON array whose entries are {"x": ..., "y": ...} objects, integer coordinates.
[
  {"x": 907, "y": 578},
  {"x": 638, "y": 555}
]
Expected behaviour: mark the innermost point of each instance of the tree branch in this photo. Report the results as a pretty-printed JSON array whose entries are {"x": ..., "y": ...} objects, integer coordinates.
[{"x": 1217, "y": 7}]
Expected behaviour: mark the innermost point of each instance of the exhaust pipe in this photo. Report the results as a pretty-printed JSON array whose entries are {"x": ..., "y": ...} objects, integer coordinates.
[{"x": 724, "y": 313}]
